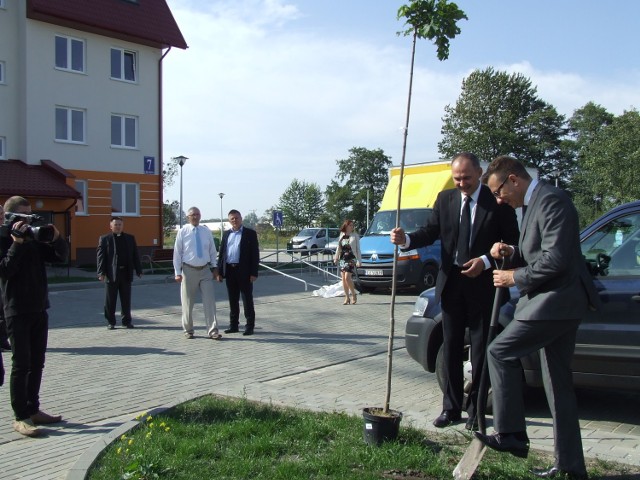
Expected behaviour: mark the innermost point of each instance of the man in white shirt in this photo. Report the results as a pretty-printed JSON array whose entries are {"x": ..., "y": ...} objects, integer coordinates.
[{"x": 195, "y": 265}]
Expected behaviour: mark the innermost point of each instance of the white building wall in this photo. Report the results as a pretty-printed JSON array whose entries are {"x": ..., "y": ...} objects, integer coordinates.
[
  {"x": 11, "y": 91},
  {"x": 93, "y": 91}
]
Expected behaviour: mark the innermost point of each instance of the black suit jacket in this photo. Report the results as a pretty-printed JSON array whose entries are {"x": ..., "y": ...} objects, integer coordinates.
[
  {"x": 249, "y": 253},
  {"x": 492, "y": 223},
  {"x": 108, "y": 260}
]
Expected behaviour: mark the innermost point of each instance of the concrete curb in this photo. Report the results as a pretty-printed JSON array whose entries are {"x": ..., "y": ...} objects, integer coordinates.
[{"x": 81, "y": 468}]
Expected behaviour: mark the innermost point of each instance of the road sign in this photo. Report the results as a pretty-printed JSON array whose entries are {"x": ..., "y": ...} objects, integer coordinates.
[{"x": 277, "y": 218}]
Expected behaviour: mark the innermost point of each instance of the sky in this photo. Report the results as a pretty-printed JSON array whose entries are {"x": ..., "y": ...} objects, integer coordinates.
[{"x": 272, "y": 90}]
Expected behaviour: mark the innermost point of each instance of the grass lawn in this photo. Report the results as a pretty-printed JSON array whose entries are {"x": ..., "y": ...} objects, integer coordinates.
[{"x": 222, "y": 438}]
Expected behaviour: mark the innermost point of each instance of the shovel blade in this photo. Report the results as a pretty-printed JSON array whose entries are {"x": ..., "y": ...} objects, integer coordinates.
[{"x": 469, "y": 462}]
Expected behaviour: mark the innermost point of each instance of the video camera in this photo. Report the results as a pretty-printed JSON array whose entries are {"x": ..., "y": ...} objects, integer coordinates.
[{"x": 41, "y": 234}]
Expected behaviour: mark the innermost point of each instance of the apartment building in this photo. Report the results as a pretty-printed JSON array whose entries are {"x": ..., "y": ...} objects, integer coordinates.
[{"x": 81, "y": 114}]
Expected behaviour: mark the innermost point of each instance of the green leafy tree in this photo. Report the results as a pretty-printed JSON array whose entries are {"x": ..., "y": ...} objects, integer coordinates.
[
  {"x": 364, "y": 170},
  {"x": 499, "y": 113},
  {"x": 169, "y": 216},
  {"x": 608, "y": 167},
  {"x": 301, "y": 203},
  {"x": 250, "y": 219}
]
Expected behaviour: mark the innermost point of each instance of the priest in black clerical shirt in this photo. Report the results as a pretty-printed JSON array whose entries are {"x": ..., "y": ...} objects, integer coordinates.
[{"x": 118, "y": 258}]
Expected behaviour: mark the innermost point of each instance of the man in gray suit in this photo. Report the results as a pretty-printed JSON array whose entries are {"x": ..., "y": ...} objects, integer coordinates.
[{"x": 555, "y": 291}]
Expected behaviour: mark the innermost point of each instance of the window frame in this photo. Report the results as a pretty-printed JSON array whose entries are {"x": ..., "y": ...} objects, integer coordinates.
[
  {"x": 82, "y": 187},
  {"x": 123, "y": 52},
  {"x": 123, "y": 131},
  {"x": 124, "y": 197},
  {"x": 69, "y": 54},
  {"x": 69, "y": 125}
]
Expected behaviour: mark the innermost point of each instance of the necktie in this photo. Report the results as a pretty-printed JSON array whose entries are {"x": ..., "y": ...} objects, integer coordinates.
[
  {"x": 198, "y": 243},
  {"x": 464, "y": 232}
]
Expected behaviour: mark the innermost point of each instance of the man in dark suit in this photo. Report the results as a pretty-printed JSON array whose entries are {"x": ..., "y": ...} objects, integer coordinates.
[
  {"x": 468, "y": 221},
  {"x": 555, "y": 292},
  {"x": 117, "y": 259},
  {"x": 238, "y": 263}
]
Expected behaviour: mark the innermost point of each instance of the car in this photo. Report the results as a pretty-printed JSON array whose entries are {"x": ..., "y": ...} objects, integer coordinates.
[
  {"x": 313, "y": 239},
  {"x": 331, "y": 247},
  {"x": 607, "y": 353}
]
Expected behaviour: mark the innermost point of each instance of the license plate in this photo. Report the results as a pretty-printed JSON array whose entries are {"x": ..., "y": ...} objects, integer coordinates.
[{"x": 373, "y": 273}]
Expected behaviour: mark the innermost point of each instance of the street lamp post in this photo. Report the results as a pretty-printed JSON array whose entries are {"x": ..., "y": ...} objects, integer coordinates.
[
  {"x": 181, "y": 161},
  {"x": 221, "y": 220}
]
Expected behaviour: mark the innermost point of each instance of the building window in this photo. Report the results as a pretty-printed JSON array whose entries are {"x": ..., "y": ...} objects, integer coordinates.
[
  {"x": 82, "y": 208},
  {"x": 124, "y": 198},
  {"x": 69, "y": 54},
  {"x": 123, "y": 64},
  {"x": 2, "y": 70},
  {"x": 70, "y": 125},
  {"x": 124, "y": 131},
  {"x": 3, "y": 155},
  {"x": 2, "y": 4}
]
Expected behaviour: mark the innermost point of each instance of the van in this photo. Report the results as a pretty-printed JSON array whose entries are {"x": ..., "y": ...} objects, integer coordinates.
[
  {"x": 312, "y": 239},
  {"x": 417, "y": 267}
]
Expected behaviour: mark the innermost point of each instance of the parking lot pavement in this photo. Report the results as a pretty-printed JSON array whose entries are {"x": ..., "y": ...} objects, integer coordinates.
[{"x": 307, "y": 352}]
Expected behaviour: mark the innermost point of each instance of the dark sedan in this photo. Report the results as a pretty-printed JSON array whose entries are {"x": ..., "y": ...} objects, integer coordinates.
[{"x": 607, "y": 351}]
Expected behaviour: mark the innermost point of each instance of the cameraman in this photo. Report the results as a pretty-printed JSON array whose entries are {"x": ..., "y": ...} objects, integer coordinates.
[{"x": 23, "y": 281}]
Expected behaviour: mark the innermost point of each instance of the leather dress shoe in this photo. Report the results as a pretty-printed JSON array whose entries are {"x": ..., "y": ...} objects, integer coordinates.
[
  {"x": 111, "y": 327},
  {"x": 446, "y": 418},
  {"x": 555, "y": 472},
  {"x": 232, "y": 330},
  {"x": 43, "y": 418},
  {"x": 128, "y": 325},
  {"x": 247, "y": 331},
  {"x": 516, "y": 444},
  {"x": 472, "y": 424}
]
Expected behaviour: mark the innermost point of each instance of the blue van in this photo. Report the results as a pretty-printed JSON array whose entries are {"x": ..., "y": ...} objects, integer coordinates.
[{"x": 416, "y": 267}]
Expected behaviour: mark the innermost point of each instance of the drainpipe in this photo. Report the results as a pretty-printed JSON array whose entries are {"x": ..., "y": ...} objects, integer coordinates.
[{"x": 160, "y": 151}]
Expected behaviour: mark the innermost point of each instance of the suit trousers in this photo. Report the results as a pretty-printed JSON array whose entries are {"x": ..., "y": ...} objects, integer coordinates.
[
  {"x": 121, "y": 286},
  {"x": 240, "y": 285},
  {"x": 464, "y": 304},
  {"x": 196, "y": 280},
  {"x": 556, "y": 339},
  {"x": 28, "y": 334}
]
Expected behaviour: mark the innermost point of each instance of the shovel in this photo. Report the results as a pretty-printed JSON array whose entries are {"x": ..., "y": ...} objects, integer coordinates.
[{"x": 471, "y": 459}]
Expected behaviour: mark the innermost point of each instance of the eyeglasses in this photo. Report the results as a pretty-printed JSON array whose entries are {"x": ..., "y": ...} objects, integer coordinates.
[{"x": 498, "y": 192}]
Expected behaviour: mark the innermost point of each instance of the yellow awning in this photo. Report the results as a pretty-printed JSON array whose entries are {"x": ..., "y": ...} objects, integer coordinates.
[{"x": 420, "y": 187}]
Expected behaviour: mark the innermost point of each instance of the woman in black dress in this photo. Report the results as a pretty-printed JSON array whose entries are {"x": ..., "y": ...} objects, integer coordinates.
[{"x": 348, "y": 257}]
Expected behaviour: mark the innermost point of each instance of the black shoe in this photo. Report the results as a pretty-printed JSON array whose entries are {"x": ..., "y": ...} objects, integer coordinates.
[
  {"x": 514, "y": 443},
  {"x": 555, "y": 472},
  {"x": 111, "y": 327},
  {"x": 232, "y": 330},
  {"x": 446, "y": 418},
  {"x": 247, "y": 332},
  {"x": 129, "y": 325},
  {"x": 472, "y": 424},
  {"x": 5, "y": 346}
]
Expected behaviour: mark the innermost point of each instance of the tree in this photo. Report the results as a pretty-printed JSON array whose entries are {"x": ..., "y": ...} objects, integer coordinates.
[
  {"x": 608, "y": 174},
  {"x": 169, "y": 216},
  {"x": 364, "y": 170},
  {"x": 170, "y": 210},
  {"x": 436, "y": 21},
  {"x": 500, "y": 114},
  {"x": 250, "y": 219},
  {"x": 301, "y": 204}
]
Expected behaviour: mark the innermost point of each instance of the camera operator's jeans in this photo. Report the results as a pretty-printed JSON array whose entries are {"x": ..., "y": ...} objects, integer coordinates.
[{"x": 28, "y": 335}]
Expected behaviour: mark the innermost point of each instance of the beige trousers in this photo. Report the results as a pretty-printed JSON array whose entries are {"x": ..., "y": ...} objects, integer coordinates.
[{"x": 193, "y": 281}]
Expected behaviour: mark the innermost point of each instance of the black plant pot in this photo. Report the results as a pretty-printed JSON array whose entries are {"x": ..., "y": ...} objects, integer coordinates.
[{"x": 379, "y": 426}]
